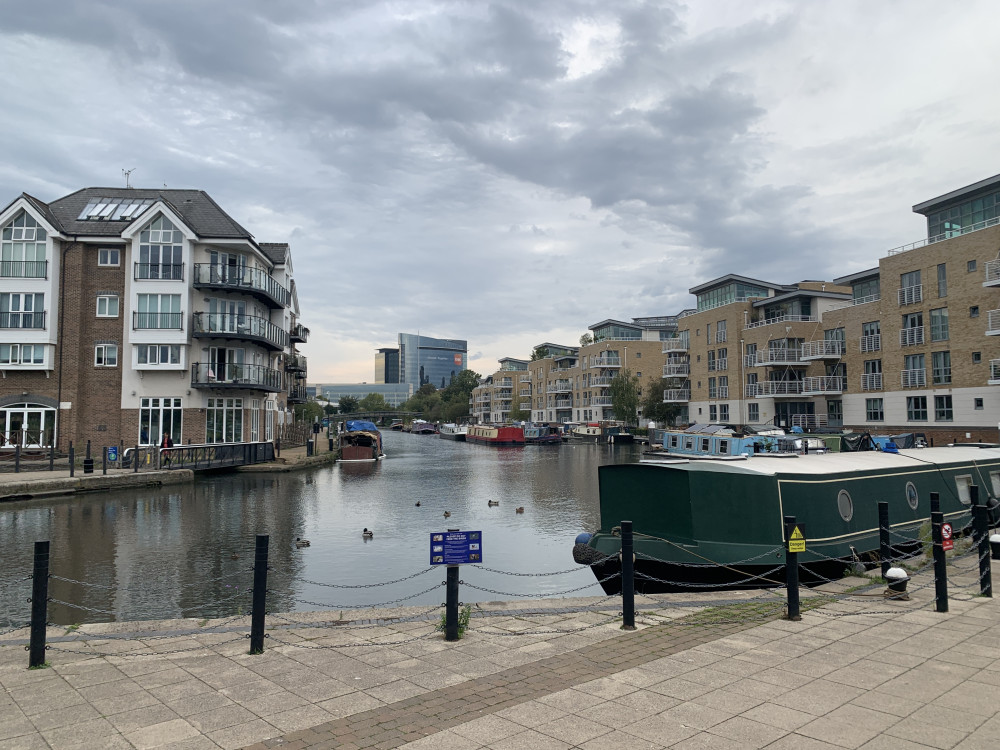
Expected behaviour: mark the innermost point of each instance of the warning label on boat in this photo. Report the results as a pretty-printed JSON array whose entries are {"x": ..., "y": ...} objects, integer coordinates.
[{"x": 796, "y": 538}]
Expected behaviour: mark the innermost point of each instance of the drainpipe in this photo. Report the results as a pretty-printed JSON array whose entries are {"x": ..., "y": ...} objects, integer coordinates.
[{"x": 59, "y": 342}]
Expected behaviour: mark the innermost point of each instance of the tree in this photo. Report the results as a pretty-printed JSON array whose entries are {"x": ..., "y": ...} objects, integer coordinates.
[
  {"x": 426, "y": 401},
  {"x": 348, "y": 404},
  {"x": 329, "y": 408},
  {"x": 624, "y": 392},
  {"x": 310, "y": 411},
  {"x": 455, "y": 397},
  {"x": 586, "y": 339},
  {"x": 517, "y": 414},
  {"x": 652, "y": 402},
  {"x": 540, "y": 353},
  {"x": 374, "y": 402}
]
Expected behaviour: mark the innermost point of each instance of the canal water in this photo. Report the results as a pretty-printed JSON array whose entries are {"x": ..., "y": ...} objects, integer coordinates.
[{"x": 187, "y": 551}]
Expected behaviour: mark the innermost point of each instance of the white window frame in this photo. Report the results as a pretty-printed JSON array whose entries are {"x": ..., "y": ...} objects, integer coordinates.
[
  {"x": 158, "y": 362},
  {"x": 107, "y": 298},
  {"x": 107, "y": 350},
  {"x": 15, "y": 356},
  {"x": 105, "y": 254}
]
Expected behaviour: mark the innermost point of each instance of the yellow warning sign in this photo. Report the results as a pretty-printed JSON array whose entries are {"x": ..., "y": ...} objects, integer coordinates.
[{"x": 796, "y": 540}]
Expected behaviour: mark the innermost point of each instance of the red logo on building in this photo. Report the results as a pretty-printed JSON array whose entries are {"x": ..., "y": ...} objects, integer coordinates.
[{"x": 458, "y": 360}]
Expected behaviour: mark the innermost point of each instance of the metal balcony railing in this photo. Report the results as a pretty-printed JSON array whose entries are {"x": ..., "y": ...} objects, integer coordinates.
[
  {"x": 993, "y": 323},
  {"x": 872, "y": 343},
  {"x": 241, "y": 279},
  {"x": 913, "y": 378},
  {"x": 299, "y": 334},
  {"x": 825, "y": 384},
  {"x": 871, "y": 381},
  {"x": 911, "y": 336},
  {"x": 601, "y": 381},
  {"x": 779, "y": 356},
  {"x": 607, "y": 362},
  {"x": 250, "y": 327},
  {"x": 994, "y": 372},
  {"x": 601, "y": 401},
  {"x": 157, "y": 320},
  {"x": 823, "y": 349},
  {"x": 159, "y": 271},
  {"x": 675, "y": 345},
  {"x": 561, "y": 386},
  {"x": 771, "y": 388},
  {"x": 24, "y": 269},
  {"x": 235, "y": 375},
  {"x": 782, "y": 319},
  {"x": 34, "y": 320},
  {"x": 866, "y": 299},
  {"x": 296, "y": 363},
  {"x": 676, "y": 371},
  {"x": 297, "y": 394},
  {"x": 911, "y": 295},
  {"x": 945, "y": 236},
  {"x": 720, "y": 337}
]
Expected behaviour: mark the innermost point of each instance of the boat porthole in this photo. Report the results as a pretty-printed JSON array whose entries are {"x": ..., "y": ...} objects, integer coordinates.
[
  {"x": 911, "y": 495},
  {"x": 845, "y": 505}
]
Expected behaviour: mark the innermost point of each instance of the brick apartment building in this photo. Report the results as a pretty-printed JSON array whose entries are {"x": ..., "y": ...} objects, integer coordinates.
[
  {"x": 127, "y": 313},
  {"x": 907, "y": 346}
]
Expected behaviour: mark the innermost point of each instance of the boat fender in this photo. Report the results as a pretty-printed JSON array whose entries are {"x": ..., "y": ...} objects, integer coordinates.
[
  {"x": 993, "y": 506},
  {"x": 584, "y": 554},
  {"x": 583, "y": 538}
]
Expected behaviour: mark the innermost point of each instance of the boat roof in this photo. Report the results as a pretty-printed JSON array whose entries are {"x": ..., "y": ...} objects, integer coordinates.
[{"x": 840, "y": 463}]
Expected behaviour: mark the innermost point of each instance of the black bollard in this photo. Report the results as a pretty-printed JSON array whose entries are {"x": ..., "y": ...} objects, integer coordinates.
[
  {"x": 104, "y": 460},
  {"x": 52, "y": 454},
  {"x": 88, "y": 462},
  {"x": 135, "y": 458},
  {"x": 72, "y": 459},
  {"x": 39, "y": 605},
  {"x": 17, "y": 459},
  {"x": 981, "y": 536},
  {"x": 940, "y": 560},
  {"x": 935, "y": 502},
  {"x": 259, "y": 594},
  {"x": 628, "y": 577},
  {"x": 885, "y": 546},
  {"x": 451, "y": 603},
  {"x": 791, "y": 573}
]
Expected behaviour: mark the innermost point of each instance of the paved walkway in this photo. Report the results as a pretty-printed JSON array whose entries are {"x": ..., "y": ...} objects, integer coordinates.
[{"x": 702, "y": 671}]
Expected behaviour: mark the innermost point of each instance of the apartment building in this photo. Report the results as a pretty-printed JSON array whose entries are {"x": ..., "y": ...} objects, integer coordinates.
[{"x": 127, "y": 313}]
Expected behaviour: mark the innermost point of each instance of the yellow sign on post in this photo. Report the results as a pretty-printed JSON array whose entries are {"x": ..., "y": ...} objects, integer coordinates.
[{"x": 797, "y": 539}]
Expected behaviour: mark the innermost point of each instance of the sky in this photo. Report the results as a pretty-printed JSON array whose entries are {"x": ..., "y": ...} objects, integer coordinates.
[{"x": 511, "y": 173}]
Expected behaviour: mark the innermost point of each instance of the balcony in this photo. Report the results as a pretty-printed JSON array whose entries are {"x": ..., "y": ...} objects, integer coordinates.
[
  {"x": 564, "y": 403},
  {"x": 872, "y": 343},
  {"x": 824, "y": 349},
  {"x": 871, "y": 381},
  {"x": 296, "y": 363},
  {"x": 242, "y": 327},
  {"x": 719, "y": 392},
  {"x": 676, "y": 371},
  {"x": 296, "y": 394},
  {"x": 299, "y": 334},
  {"x": 24, "y": 269},
  {"x": 913, "y": 378},
  {"x": 782, "y": 319},
  {"x": 911, "y": 295},
  {"x": 675, "y": 345},
  {"x": 993, "y": 323},
  {"x": 561, "y": 386},
  {"x": 866, "y": 299},
  {"x": 252, "y": 281},
  {"x": 144, "y": 321},
  {"x": 600, "y": 401},
  {"x": 720, "y": 336},
  {"x": 780, "y": 357},
  {"x": 524, "y": 393},
  {"x": 992, "y": 273},
  {"x": 778, "y": 389},
  {"x": 607, "y": 361},
  {"x": 994, "y": 372},
  {"x": 825, "y": 385},
  {"x": 29, "y": 320},
  {"x": 601, "y": 381},
  {"x": 676, "y": 395},
  {"x": 233, "y": 375},
  {"x": 911, "y": 336},
  {"x": 158, "y": 271}
]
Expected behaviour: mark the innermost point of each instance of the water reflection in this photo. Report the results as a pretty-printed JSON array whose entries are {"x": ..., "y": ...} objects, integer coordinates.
[{"x": 187, "y": 552}]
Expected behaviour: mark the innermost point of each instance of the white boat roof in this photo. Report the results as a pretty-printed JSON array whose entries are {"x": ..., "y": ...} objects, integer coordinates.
[{"x": 839, "y": 463}]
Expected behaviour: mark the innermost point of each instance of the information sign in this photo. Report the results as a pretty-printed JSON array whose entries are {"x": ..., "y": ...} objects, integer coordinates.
[
  {"x": 947, "y": 542},
  {"x": 112, "y": 452},
  {"x": 796, "y": 535},
  {"x": 456, "y": 547}
]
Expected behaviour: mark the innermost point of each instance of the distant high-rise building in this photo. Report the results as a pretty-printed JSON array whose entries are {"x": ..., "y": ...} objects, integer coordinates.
[
  {"x": 425, "y": 360},
  {"x": 387, "y": 365}
]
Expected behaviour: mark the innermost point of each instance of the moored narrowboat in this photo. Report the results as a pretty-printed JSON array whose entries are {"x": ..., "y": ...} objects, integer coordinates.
[
  {"x": 360, "y": 440},
  {"x": 542, "y": 434},
  {"x": 495, "y": 434}
]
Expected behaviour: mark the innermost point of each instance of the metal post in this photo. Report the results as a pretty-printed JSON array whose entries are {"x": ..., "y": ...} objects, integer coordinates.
[
  {"x": 792, "y": 574},
  {"x": 451, "y": 604},
  {"x": 52, "y": 455},
  {"x": 104, "y": 460},
  {"x": 259, "y": 594},
  {"x": 72, "y": 458},
  {"x": 39, "y": 605},
  {"x": 940, "y": 561},
  {"x": 277, "y": 447},
  {"x": 935, "y": 502},
  {"x": 17, "y": 459},
  {"x": 981, "y": 534},
  {"x": 628, "y": 577},
  {"x": 885, "y": 547},
  {"x": 135, "y": 459},
  {"x": 88, "y": 462}
]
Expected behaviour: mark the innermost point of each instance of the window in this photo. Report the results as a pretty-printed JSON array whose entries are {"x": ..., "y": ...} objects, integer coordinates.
[
  {"x": 720, "y": 332},
  {"x": 713, "y": 413},
  {"x": 158, "y": 311},
  {"x": 753, "y": 413},
  {"x": 977, "y": 404},
  {"x": 109, "y": 256},
  {"x": 942, "y": 408},
  {"x": 106, "y": 355},
  {"x": 845, "y": 505},
  {"x": 941, "y": 368},
  {"x": 224, "y": 420},
  {"x": 638, "y": 355},
  {"x": 107, "y": 306},
  {"x": 723, "y": 357},
  {"x": 712, "y": 390},
  {"x": 160, "y": 251},
  {"x": 970, "y": 266},
  {"x": 151, "y": 354},
  {"x": 962, "y": 484},
  {"x": 916, "y": 408},
  {"x": 974, "y": 311},
  {"x": 19, "y": 310},
  {"x": 159, "y": 415},
  {"x": 873, "y": 410},
  {"x": 22, "y": 252},
  {"x": 912, "y": 498},
  {"x": 911, "y": 291},
  {"x": 939, "y": 324},
  {"x": 711, "y": 361},
  {"x": 942, "y": 276},
  {"x": 22, "y": 354},
  {"x": 977, "y": 357},
  {"x": 723, "y": 412}
]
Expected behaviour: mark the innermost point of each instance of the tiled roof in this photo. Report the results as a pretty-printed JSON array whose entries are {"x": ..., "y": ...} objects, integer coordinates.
[{"x": 275, "y": 251}]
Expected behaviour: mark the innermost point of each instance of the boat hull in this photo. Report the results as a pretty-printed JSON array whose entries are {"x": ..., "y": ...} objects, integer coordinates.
[
  {"x": 457, "y": 436},
  {"x": 497, "y": 436}
]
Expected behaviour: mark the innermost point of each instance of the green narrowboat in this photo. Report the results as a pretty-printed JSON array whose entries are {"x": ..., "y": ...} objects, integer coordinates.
[{"x": 720, "y": 524}]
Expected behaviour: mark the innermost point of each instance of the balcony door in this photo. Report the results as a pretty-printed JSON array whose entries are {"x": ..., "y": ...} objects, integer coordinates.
[
  {"x": 27, "y": 425},
  {"x": 227, "y": 316},
  {"x": 227, "y": 363}
]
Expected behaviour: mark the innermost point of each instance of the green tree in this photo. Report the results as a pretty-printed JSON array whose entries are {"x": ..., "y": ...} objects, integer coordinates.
[
  {"x": 426, "y": 401},
  {"x": 586, "y": 339},
  {"x": 310, "y": 411},
  {"x": 348, "y": 404},
  {"x": 329, "y": 408},
  {"x": 652, "y": 402},
  {"x": 540, "y": 353},
  {"x": 374, "y": 402},
  {"x": 455, "y": 397},
  {"x": 517, "y": 414},
  {"x": 624, "y": 392}
]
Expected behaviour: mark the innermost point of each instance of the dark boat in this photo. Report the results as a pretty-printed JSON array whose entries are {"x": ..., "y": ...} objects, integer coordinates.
[
  {"x": 542, "y": 434},
  {"x": 360, "y": 441}
]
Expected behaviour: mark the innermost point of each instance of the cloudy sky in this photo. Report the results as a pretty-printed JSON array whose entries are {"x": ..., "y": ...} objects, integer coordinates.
[{"x": 512, "y": 172}]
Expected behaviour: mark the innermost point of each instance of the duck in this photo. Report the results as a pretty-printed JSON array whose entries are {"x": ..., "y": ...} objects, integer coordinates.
[
  {"x": 368, "y": 534},
  {"x": 447, "y": 514},
  {"x": 491, "y": 503},
  {"x": 301, "y": 542},
  {"x": 417, "y": 503},
  {"x": 234, "y": 556},
  {"x": 519, "y": 509}
]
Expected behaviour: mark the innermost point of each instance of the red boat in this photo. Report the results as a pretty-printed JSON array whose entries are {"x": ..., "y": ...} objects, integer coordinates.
[{"x": 490, "y": 435}]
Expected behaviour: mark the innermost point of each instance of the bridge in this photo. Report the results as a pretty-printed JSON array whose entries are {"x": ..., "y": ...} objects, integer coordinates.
[{"x": 202, "y": 457}]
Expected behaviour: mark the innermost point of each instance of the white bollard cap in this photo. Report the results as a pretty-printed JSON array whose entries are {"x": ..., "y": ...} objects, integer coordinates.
[{"x": 896, "y": 573}]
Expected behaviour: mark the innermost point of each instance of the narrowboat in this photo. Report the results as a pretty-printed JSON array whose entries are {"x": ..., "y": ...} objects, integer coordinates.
[
  {"x": 542, "y": 434},
  {"x": 719, "y": 524},
  {"x": 495, "y": 435},
  {"x": 420, "y": 427},
  {"x": 360, "y": 441},
  {"x": 728, "y": 443},
  {"x": 452, "y": 431},
  {"x": 613, "y": 433}
]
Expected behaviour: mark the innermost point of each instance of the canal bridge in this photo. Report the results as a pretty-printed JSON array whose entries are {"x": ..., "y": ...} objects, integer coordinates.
[{"x": 200, "y": 457}]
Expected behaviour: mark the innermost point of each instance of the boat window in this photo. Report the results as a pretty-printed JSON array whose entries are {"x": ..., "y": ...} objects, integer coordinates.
[
  {"x": 962, "y": 484},
  {"x": 704, "y": 444},
  {"x": 912, "y": 498},
  {"x": 674, "y": 441},
  {"x": 689, "y": 443},
  {"x": 845, "y": 505},
  {"x": 723, "y": 447},
  {"x": 995, "y": 481}
]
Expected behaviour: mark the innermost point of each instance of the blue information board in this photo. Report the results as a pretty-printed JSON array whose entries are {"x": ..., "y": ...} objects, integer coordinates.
[
  {"x": 456, "y": 547},
  {"x": 112, "y": 452}
]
